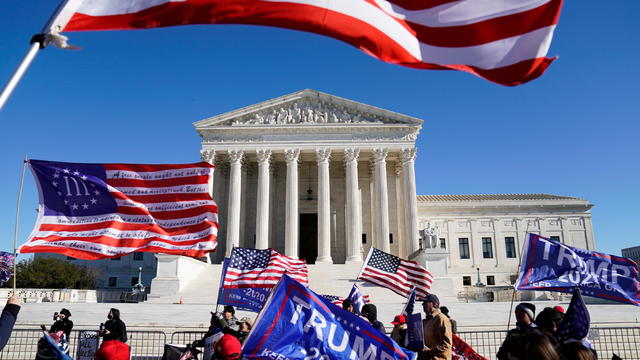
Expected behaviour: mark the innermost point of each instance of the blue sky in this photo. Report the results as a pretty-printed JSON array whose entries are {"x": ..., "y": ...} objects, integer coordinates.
[{"x": 131, "y": 96}]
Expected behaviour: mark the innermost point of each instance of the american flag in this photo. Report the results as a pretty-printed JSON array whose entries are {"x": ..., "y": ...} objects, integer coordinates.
[
  {"x": 262, "y": 268},
  {"x": 502, "y": 41},
  {"x": 396, "y": 274},
  {"x": 95, "y": 211},
  {"x": 576, "y": 321},
  {"x": 337, "y": 300}
]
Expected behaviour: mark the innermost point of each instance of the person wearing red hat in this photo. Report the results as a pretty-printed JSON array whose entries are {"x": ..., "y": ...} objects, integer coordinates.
[
  {"x": 399, "y": 329},
  {"x": 113, "y": 350},
  {"x": 227, "y": 348},
  {"x": 559, "y": 309}
]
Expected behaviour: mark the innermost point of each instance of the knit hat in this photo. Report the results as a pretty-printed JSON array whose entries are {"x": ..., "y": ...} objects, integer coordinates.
[
  {"x": 527, "y": 308},
  {"x": 65, "y": 312},
  {"x": 559, "y": 309},
  {"x": 113, "y": 350},
  {"x": 399, "y": 319},
  {"x": 228, "y": 348},
  {"x": 432, "y": 298}
]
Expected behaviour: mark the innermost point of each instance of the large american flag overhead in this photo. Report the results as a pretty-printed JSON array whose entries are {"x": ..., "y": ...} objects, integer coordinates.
[
  {"x": 95, "y": 211},
  {"x": 396, "y": 274},
  {"x": 262, "y": 268},
  {"x": 502, "y": 41}
]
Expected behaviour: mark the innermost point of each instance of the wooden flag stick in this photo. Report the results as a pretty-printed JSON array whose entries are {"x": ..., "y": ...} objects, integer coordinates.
[{"x": 16, "y": 230}]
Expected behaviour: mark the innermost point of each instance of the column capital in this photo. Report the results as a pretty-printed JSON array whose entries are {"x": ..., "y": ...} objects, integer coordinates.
[
  {"x": 323, "y": 154},
  {"x": 408, "y": 154},
  {"x": 398, "y": 168},
  {"x": 351, "y": 154},
  {"x": 380, "y": 154},
  {"x": 208, "y": 156},
  {"x": 235, "y": 156},
  {"x": 292, "y": 155},
  {"x": 264, "y": 155}
]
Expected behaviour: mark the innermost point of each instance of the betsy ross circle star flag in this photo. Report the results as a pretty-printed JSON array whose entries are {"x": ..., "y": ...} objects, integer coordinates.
[
  {"x": 503, "y": 41},
  {"x": 95, "y": 211}
]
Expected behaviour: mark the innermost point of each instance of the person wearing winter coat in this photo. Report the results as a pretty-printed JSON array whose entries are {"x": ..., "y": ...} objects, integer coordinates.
[
  {"x": 63, "y": 323},
  {"x": 525, "y": 326},
  {"x": 8, "y": 318},
  {"x": 437, "y": 331},
  {"x": 114, "y": 328},
  {"x": 370, "y": 312}
]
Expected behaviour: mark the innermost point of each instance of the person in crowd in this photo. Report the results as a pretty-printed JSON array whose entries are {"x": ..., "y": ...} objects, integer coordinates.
[
  {"x": 559, "y": 309},
  {"x": 228, "y": 320},
  {"x": 454, "y": 324},
  {"x": 214, "y": 328},
  {"x": 245, "y": 325},
  {"x": 525, "y": 315},
  {"x": 62, "y": 323},
  {"x": 437, "y": 331},
  {"x": 574, "y": 350},
  {"x": 531, "y": 346},
  {"x": 113, "y": 350},
  {"x": 548, "y": 321},
  {"x": 227, "y": 348},
  {"x": 114, "y": 328},
  {"x": 399, "y": 329},
  {"x": 8, "y": 318},
  {"x": 370, "y": 312},
  {"x": 347, "y": 304}
]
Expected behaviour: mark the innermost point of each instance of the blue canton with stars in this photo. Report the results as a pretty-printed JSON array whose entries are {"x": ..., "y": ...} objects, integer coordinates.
[
  {"x": 383, "y": 261},
  {"x": 576, "y": 322},
  {"x": 73, "y": 189},
  {"x": 248, "y": 259}
]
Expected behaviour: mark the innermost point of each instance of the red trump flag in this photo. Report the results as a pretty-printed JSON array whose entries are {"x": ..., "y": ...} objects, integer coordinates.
[
  {"x": 96, "y": 211},
  {"x": 505, "y": 41}
]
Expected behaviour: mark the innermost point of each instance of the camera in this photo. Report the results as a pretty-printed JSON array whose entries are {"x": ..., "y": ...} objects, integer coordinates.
[{"x": 55, "y": 316}]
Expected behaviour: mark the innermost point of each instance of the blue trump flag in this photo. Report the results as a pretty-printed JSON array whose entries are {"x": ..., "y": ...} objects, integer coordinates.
[
  {"x": 357, "y": 299},
  {"x": 296, "y": 323},
  {"x": 552, "y": 266},
  {"x": 250, "y": 299}
]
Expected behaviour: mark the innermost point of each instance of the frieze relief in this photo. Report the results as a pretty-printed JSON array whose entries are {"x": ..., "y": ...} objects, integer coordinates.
[
  {"x": 306, "y": 111},
  {"x": 370, "y": 135}
]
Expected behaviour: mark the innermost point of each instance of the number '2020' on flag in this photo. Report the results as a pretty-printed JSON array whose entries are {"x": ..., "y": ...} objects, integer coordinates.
[
  {"x": 502, "y": 41},
  {"x": 553, "y": 266},
  {"x": 296, "y": 323},
  {"x": 95, "y": 211}
]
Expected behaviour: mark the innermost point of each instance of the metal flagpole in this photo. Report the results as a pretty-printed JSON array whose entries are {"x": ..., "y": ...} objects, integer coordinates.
[
  {"x": 15, "y": 232},
  {"x": 513, "y": 294},
  {"x": 49, "y": 33}
]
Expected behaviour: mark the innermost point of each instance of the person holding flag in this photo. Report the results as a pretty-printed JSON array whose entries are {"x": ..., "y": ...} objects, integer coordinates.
[{"x": 437, "y": 331}]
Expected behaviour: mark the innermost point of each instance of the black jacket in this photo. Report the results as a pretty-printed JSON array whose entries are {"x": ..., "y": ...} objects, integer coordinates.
[
  {"x": 117, "y": 330},
  {"x": 371, "y": 312},
  {"x": 62, "y": 325},
  {"x": 7, "y": 320}
]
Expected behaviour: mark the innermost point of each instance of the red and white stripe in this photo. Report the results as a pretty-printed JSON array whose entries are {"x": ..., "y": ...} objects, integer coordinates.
[
  {"x": 502, "y": 41},
  {"x": 268, "y": 277},
  {"x": 160, "y": 208},
  {"x": 409, "y": 275}
]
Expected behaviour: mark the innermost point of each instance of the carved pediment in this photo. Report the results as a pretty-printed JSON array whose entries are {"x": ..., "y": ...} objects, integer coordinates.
[{"x": 308, "y": 107}]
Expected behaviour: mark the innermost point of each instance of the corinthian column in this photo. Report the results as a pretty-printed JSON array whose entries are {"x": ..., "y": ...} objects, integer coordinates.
[
  {"x": 408, "y": 158},
  {"x": 262, "y": 213},
  {"x": 233, "y": 210},
  {"x": 291, "y": 213},
  {"x": 353, "y": 221},
  {"x": 324, "y": 206},
  {"x": 210, "y": 157},
  {"x": 382, "y": 196}
]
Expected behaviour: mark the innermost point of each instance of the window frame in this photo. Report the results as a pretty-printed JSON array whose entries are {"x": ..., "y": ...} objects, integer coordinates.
[
  {"x": 510, "y": 246},
  {"x": 487, "y": 250},
  {"x": 463, "y": 247}
]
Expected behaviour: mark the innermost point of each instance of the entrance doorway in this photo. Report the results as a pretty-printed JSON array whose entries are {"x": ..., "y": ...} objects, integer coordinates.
[{"x": 308, "y": 239}]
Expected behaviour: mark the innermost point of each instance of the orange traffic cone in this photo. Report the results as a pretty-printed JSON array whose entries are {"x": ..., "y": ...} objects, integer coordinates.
[{"x": 181, "y": 302}]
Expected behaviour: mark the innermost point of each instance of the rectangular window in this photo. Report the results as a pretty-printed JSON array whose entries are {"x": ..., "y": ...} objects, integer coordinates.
[
  {"x": 113, "y": 281},
  {"x": 466, "y": 280},
  {"x": 443, "y": 243},
  {"x": 390, "y": 238},
  {"x": 491, "y": 280},
  {"x": 487, "y": 249},
  {"x": 556, "y": 238},
  {"x": 364, "y": 238},
  {"x": 513, "y": 279},
  {"x": 464, "y": 248},
  {"x": 510, "y": 247},
  {"x": 134, "y": 280},
  {"x": 117, "y": 258},
  {"x": 138, "y": 256}
]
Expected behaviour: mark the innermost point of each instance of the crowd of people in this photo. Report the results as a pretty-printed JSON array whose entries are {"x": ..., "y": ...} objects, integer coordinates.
[{"x": 534, "y": 337}]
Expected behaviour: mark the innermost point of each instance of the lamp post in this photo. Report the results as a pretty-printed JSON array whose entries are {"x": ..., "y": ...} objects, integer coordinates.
[{"x": 479, "y": 283}]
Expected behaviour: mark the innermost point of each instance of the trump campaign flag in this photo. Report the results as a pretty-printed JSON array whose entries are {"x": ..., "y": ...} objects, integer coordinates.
[
  {"x": 502, "y": 41},
  {"x": 296, "y": 323},
  {"x": 550, "y": 265},
  {"x": 96, "y": 211},
  {"x": 250, "y": 299}
]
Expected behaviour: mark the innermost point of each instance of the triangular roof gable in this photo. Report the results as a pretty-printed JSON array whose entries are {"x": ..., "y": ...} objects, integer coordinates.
[{"x": 308, "y": 107}]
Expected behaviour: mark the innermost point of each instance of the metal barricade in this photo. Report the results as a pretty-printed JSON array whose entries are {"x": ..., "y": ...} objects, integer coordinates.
[
  {"x": 186, "y": 337},
  {"x": 146, "y": 345}
]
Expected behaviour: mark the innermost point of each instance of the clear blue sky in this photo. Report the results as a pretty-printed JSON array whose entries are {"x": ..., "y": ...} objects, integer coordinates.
[{"x": 131, "y": 96}]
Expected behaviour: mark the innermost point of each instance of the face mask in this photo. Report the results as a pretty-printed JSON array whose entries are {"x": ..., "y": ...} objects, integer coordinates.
[{"x": 110, "y": 317}]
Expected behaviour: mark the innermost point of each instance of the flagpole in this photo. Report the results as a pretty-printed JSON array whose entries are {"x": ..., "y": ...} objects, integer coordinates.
[
  {"x": 364, "y": 264},
  {"x": 513, "y": 294},
  {"x": 56, "y": 23},
  {"x": 15, "y": 232}
]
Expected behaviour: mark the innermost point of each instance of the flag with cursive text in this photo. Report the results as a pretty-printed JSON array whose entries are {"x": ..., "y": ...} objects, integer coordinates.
[
  {"x": 550, "y": 265},
  {"x": 95, "y": 211},
  {"x": 296, "y": 323}
]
